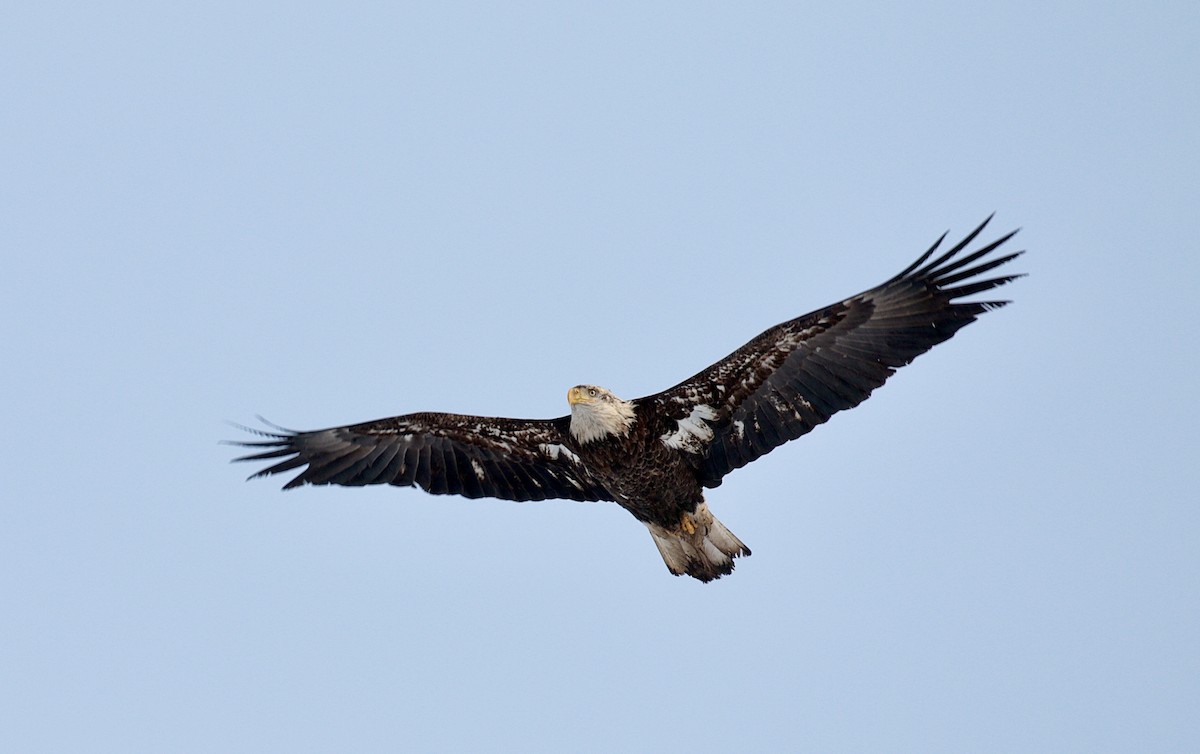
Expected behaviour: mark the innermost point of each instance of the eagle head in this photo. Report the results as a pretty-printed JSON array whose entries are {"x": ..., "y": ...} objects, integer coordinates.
[{"x": 597, "y": 413}]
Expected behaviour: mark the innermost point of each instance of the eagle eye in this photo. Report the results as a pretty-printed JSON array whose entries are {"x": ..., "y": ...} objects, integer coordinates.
[{"x": 592, "y": 391}]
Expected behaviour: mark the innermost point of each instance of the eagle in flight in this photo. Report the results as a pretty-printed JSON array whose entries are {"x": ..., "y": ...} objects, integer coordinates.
[{"x": 654, "y": 456}]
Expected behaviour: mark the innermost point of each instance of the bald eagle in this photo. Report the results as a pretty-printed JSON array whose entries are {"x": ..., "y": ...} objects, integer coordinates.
[{"x": 654, "y": 456}]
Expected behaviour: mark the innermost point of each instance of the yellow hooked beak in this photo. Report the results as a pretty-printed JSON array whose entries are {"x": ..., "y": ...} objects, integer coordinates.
[{"x": 577, "y": 395}]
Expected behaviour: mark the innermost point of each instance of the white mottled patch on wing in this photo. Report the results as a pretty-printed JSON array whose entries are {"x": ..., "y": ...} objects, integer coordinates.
[
  {"x": 480, "y": 474},
  {"x": 788, "y": 408},
  {"x": 739, "y": 427},
  {"x": 693, "y": 430},
  {"x": 553, "y": 451}
]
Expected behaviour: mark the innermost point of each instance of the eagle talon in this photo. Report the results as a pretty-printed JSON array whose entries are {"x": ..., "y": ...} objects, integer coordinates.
[{"x": 687, "y": 523}]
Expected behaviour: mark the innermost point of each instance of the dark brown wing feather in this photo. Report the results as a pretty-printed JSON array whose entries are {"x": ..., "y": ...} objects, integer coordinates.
[
  {"x": 797, "y": 374},
  {"x": 474, "y": 456}
]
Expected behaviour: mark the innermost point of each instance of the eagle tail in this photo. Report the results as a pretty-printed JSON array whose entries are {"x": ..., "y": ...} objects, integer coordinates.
[{"x": 699, "y": 545}]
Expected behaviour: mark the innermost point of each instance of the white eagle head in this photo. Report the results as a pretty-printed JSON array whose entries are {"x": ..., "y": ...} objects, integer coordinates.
[{"x": 596, "y": 413}]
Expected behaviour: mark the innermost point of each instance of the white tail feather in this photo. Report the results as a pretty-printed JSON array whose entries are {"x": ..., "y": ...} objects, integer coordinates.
[{"x": 706, "y": 554}]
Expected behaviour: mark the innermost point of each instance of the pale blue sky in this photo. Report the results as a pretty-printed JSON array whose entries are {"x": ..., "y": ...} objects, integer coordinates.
[{"x": 328, "y": 213}]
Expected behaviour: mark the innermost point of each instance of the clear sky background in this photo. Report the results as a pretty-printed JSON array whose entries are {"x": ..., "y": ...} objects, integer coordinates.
[{"x": 333, "y": 212}]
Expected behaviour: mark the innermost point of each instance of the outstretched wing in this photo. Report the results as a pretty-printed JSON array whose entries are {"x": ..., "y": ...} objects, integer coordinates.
[
  {"x": 796, "y": 375},
  {"x": 446, "y": 454}
]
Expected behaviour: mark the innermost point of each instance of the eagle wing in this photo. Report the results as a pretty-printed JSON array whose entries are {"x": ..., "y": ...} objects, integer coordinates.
[
  {"x": 796, "y": 375},
  {"x": 450, "y": 454}
]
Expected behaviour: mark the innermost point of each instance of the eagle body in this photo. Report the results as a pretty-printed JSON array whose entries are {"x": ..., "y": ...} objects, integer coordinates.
[
  {"x": 644, "y": 476},
  {"x": 633, "y": 451},
  {"x": 655, "y": 455}
]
